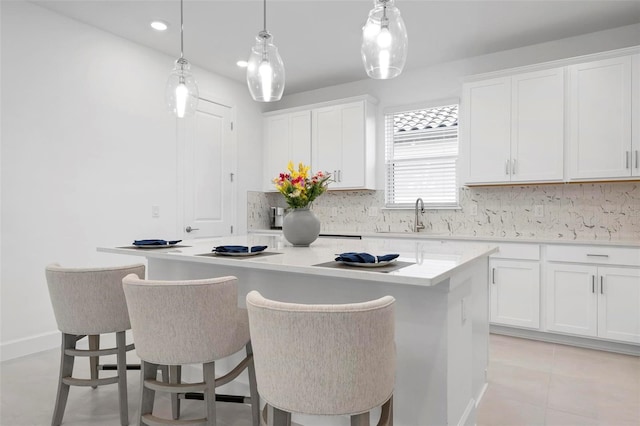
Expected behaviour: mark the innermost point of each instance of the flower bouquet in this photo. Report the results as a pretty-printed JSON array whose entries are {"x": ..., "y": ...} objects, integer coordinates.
[{"x": 300, "y": 189}]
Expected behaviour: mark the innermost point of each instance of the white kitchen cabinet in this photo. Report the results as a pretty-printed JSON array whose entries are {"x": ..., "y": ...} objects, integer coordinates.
[
  {"x": 515, "y": 292},
  {"x": 287, "y": 138},
  {"x": 514, "y": 128},
  {"x": 343, "y": 144},
  {"x": 594, "y": 299},
  {"x": 600, "y": 119}
]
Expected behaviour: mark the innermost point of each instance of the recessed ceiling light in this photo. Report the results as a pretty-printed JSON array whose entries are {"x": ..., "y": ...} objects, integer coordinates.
[
  {"x": 159, "y": 25},
  {"x": 242, "y": 64}
]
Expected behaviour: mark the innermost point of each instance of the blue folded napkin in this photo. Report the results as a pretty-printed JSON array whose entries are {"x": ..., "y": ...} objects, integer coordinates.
[
  {"x": 154, "y": 242},
  {"x": 237, "y": 249},
  {"x": 364, "y": 257}
]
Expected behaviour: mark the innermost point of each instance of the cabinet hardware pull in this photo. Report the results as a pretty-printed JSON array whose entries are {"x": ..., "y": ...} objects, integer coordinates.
[
  {"x": 340, "y": 174},
  {"x": 627, "y": 159},
  {"x": 513, "y": 167},
  {"x": 506, "y": 167},
  {"x": 637, "y": 158},
  {"x": 597, "y": 255},
  {"x": 493, "y": 275},
  {"x": 601, "y": 285},
  {"x": 593, "y": 283}
]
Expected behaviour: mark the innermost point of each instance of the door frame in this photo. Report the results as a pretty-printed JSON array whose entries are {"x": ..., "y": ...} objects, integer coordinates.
[{"x": 181, "y": 164}]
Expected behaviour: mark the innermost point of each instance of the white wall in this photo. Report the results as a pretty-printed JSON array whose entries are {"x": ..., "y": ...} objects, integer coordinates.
[{"x": 87, "y": 149}]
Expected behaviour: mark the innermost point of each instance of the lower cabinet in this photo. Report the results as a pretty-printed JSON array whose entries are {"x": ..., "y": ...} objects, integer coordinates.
[
  {"x": 593, "y": 301},
  {"x": 515, "y": 292}
]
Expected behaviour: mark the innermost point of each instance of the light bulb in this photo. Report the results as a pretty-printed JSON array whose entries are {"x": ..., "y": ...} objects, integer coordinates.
[
  {"x": 182, "y": 93},
  {"x": 384, "y": 38},
  {"x": 266, "y": 73}
]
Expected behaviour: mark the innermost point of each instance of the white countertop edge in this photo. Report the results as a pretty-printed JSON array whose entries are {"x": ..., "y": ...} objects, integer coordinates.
[{"x": 489, "y": 239}]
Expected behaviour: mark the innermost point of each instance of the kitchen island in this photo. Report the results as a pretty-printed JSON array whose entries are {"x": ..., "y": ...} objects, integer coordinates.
[{"x": 441, "y": 294}]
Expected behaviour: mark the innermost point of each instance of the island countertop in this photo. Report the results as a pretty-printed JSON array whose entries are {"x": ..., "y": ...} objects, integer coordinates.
[{"x": 427, "y": 262}]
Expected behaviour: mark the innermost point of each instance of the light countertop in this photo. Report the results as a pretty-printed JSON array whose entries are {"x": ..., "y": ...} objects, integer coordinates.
[
  {"x": 430, "y": 261},
  {"x": 426, "y": 236}
]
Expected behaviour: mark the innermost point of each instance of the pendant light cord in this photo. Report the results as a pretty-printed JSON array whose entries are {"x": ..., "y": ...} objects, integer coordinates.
[
  {"x": 265, "y": 15},
  {"x": 181, "y": 33}
]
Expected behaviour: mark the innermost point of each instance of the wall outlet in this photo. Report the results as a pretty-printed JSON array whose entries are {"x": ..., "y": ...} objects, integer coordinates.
[
  {"x": 334, "y": 211},
  {"x": 372, "y": 211},
  {"x": 538, "y": 210},
  {"x": 473, "y": 210},
  {"x": 155, "y": 211}
]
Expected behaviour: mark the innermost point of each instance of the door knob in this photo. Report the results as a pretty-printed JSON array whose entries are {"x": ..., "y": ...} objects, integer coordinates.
[{"x": 189, "y": 229}]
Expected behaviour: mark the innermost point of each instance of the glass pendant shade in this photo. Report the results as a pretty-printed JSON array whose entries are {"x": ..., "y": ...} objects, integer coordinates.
[
  {"x": 265, "y": 70},
  {"x": 181, "y": 93},
  {"x": 384, "y": 41}
]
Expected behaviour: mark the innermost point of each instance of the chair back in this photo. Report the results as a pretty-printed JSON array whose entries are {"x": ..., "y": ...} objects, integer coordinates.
[
  {"x": 185, "y": 322},
  {"x": 90, "y": 300},
  {"x": 323, "y": 359}
]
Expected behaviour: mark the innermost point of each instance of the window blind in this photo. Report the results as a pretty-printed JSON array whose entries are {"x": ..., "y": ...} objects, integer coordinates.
[{"x": 421, "y": 155}]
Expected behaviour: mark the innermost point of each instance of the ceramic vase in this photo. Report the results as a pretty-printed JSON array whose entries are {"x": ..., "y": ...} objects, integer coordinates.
[{"x": 301, "y": 227}]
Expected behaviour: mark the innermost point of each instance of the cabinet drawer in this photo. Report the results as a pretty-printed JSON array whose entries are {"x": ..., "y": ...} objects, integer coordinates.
[
  {"x": 594, "y": 255},
  {"x": 517, "y": 251}
]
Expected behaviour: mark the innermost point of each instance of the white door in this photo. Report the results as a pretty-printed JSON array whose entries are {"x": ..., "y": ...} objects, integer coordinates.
[
  {"x": 515, "y": 293},
  {"x": 600, "y": 119},
  {"x": 619, "y": 304},
  {"x": 487, "y": 110},
  {"x": 208, "y": 166},
  {"x": 537, "y": 133},
  {"x": 352, "y": 170},
  {"x": 572, "y": 301},
  {"x": 327, "y": 142}
]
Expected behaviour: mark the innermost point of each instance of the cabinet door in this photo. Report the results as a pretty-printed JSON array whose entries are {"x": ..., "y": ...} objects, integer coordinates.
[
  {"x": 353, "y": 155},
  {"x": 600, "y": 119},
  {"x": 537, "y": 126},
  {"x": 276, "y": 146},
  {"x": 300, "y": 137},
  {"x": 487, "y": 106},
  {"x": 327, "y": 141},
  {"x": 635, "y": 117},
  {"x": 619, "y": 304},
  {"x": 571, "y": 299},
  {"x": 515, "y": 293}
]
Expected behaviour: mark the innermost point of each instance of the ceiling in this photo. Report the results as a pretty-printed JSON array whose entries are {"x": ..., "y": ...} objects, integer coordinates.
[{"x": 319, "y": 41}]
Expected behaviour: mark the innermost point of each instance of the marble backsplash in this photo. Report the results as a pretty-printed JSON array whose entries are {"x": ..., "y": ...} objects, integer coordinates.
[{"x": 589, "y": 211}]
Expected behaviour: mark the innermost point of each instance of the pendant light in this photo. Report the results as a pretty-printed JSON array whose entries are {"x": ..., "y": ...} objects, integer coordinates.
[
  {"x": 384, "y": 41},
  {"x": 181, "y": 93},
  {"x": 265, "y": 70}
]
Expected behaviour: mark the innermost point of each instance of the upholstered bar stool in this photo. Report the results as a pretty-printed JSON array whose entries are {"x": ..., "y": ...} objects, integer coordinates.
[
  {"x": 324, "y": 359},
  {"x": 90, "y": 302},
  {"x": 176, "y": 323}
]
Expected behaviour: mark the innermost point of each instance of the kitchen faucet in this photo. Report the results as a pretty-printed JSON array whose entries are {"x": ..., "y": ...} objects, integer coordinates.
[{"x": 417, "y": 225}]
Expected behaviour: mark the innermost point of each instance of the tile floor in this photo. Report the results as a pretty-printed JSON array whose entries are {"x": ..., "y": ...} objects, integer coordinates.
[{"x": 530, "y": 383}]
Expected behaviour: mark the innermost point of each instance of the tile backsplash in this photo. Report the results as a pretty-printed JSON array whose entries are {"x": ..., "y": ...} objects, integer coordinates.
[{"x": 589, "y": 211}]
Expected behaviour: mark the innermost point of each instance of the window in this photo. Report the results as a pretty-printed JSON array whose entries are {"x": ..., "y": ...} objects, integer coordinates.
[{"x": 421, "y": 155}]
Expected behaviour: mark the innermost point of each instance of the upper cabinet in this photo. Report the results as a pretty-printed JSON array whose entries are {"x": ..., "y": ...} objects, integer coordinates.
[
  {"x": 287, "y": 138},
  {"x": 343, "y": 144},
  {"x": 514, "y": 128},
  {"x": 336, "y": 137},
  {"x": 603, "y": 119}
]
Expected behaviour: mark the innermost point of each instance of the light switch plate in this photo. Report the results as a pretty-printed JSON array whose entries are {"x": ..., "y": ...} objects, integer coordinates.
[
  {"x": 155, "y": 211},
  {"x": 473, "y": 210}
]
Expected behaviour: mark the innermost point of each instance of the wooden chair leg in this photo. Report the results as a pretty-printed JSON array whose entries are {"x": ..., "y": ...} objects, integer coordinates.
[
  {"x": 147, "y": 396},
  {"x": 253, "y": 388},
  {"x": 209, "y": 378},
  {"x": 94, "y": 361},
  {"x": 66, "y": 370},
  {"x": 175, "y": 377},
  {"x": 277, "y": 417},
  {"x": 360, "y": 419},
  {"x": 121, "y": 345}
]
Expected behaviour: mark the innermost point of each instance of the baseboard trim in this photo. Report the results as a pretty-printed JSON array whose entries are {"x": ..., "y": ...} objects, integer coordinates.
[
  {"x": 29, "y": 345},
  {"x": 602, "y": 345}
]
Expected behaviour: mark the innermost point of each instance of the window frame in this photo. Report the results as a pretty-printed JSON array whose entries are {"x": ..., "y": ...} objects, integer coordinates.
[{"x": 409, "y": 108}]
